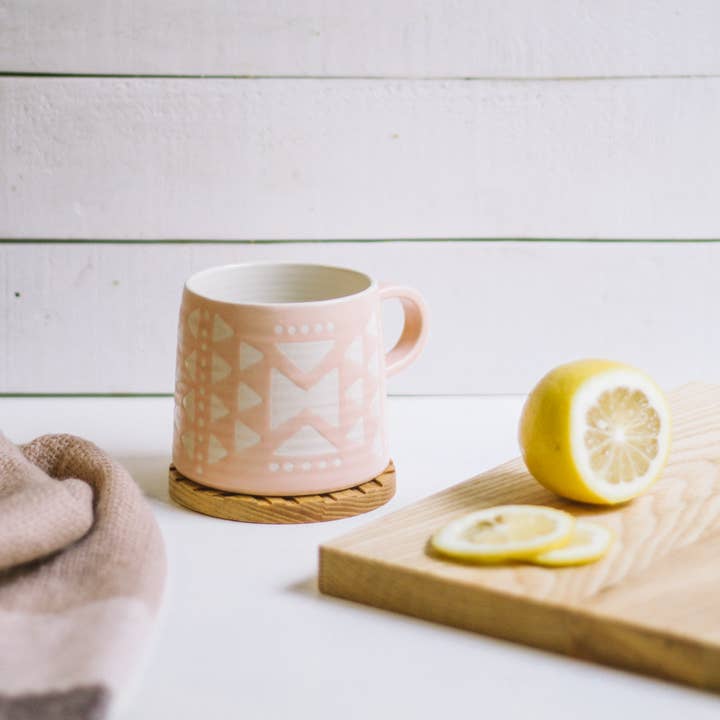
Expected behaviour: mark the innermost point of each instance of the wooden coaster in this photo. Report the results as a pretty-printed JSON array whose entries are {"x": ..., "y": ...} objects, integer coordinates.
[{"x": 283, "y": 510}]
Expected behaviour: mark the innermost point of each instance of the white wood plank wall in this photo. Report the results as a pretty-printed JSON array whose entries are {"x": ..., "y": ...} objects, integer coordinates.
[
  {"x": 94, "y": 318},
  {"x": 153, "y": 121},
  {"x": 378, "y": 38},
  {"x": 336, "y": 159}
]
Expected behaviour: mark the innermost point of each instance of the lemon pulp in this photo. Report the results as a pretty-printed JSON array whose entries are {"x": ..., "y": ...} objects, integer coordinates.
[
  {"x": 622, "y": 434},
  {"x": 595, "y": 431},
  {"x": 588, "y": 542},
  {"x": 504, "y": 532}
]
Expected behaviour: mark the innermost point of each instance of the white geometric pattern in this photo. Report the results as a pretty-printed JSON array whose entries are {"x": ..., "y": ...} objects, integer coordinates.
[
  {"x": 191, "y": 364},
  {"x": 247, "y": 397},
  {"x": 355, "y": 392},
  {"x": 217, "y": 408},
  {"x": 306, "y": 441},
  {"x": 245, "y": 437},
  {"x": 221, "y": 330},
  {"x": 306, "y": 355},
  {"x": 188, "y": 402},
  {"x": 215, "y": 450},
  {"x": 355, "y": 351},
  {"x": 305, "y": 328},
  {"x": 188, "y": 441},
  {"x": 288, "y": 400},
  {"x": 219, "y": 369},
  {"x": 194, "y": 322},
  {"x": 249, "y": 356},
  {"x": 357, "y": 433}
]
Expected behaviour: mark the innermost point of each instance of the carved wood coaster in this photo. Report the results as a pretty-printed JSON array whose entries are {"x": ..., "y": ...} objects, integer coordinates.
[{"x": 283, "y": 510}]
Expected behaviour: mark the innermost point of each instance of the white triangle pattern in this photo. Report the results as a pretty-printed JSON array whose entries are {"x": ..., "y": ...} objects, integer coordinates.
[
  {"x": 245, "y": 437},
  {"x": 216, "y": 451},
  {"x": 288, "y": 400},
  {"x": 247, "y": 397},
  {"x": 188, "y": 402},
  {"x": 221, "y": 330},
  {"x": 306, "y": 355},
  {"x": 217, "y": 408},
  {"x": 306, "y": 441},
  {"x": 357, "y": 433},
  {"x": 188, "y": 441},
  {"x": 191, "y": 364},
  {"x": 219, "y": 369},
  {"x": 193, "y": 322},
  {"x": 355, "y": 392},
  {"x": 249, "y": 356},
  {"x": 355, "y": 351}
]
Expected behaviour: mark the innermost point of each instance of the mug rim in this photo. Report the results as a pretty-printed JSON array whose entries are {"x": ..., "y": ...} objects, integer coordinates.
[{"x": 371, "y": 284}]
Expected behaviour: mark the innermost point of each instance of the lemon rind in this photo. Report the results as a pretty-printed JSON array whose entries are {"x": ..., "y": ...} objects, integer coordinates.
[{"x": 577, "y": 559}]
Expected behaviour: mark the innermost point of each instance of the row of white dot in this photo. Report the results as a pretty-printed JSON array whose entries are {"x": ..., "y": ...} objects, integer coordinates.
[
  {"x": 289, "y": 467},
  {"x": 304, "y": 329}
]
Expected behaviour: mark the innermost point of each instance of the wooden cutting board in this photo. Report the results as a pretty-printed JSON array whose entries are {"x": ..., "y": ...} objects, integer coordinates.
[{"x": 651, "y": 605}]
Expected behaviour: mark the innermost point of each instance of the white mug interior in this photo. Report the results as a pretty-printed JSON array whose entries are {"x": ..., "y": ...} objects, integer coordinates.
[{"x": 277, "y": 283}]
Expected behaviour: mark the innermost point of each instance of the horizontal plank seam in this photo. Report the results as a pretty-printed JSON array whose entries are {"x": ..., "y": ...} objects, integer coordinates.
[
  {"x": 108, "y": 395},
  {"x": 189, "y": 241},
  {"x": 414, "y": 78},
  {"x": 83, "y": 395}
]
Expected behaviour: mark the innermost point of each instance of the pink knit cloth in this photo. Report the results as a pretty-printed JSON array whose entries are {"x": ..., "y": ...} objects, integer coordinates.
[{"x": 82, "y": 568}]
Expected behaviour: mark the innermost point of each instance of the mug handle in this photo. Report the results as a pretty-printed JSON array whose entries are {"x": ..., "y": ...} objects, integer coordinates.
[{"x": 415, "y": 327}]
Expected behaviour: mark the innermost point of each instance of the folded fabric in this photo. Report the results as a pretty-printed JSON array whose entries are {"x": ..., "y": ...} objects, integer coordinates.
[{"x": 82, "y": 568}]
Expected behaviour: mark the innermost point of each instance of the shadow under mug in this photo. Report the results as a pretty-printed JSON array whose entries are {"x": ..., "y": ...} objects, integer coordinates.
[{"x": 280, "y": 381}]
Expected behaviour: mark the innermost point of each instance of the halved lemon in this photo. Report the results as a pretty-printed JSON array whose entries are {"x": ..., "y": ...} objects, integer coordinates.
[
  {"x": 505, "y": 532},
  {"x": 596, "y": 431},
  {"x": 588, "y": 542}
]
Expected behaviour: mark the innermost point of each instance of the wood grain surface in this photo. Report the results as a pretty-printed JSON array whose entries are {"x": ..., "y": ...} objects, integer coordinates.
[
  {"x": 283, "y": 510},
  {"x": 650, "y": 605}
]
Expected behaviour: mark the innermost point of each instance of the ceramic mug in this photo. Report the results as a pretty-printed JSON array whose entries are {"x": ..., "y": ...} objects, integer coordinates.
[{"x": 280, "y": 381}]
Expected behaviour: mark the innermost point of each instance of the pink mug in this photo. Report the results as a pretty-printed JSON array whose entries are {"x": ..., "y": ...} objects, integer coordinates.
[{"x": 280, "y": 384}]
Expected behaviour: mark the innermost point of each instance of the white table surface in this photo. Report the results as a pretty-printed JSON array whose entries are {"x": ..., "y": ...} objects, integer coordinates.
[{"x": 245, "y": 633}]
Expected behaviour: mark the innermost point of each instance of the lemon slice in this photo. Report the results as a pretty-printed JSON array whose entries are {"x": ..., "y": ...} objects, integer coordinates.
[
  {"x": 505, "y": 532},
  {"x": 596, "y": 431},
  {"x": 588, "y": 542}
]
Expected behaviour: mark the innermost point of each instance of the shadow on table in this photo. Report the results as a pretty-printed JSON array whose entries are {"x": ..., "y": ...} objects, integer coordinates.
[
  {"x": 150, "y": 473},
  {"x": 309, "y": 586}
]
